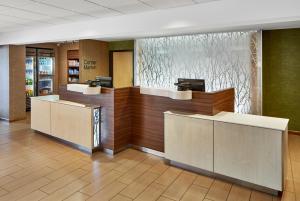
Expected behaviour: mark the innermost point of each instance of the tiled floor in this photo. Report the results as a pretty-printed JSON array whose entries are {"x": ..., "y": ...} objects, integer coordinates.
[{"x": 33, "y": 167}]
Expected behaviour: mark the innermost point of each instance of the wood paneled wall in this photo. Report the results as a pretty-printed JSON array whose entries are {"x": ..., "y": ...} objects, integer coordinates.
[
  {"x": 133, "y": 118},
  {"x": 17, "y": 108},
  {"x": 93, "y": 50},
  {"x": 63, "y": 60},
  {"x": 122, "y": 117}
]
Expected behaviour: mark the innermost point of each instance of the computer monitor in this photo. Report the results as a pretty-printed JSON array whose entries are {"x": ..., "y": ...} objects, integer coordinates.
[
  {"x": 193, "y": 84},
  {"x": 104, "y": 81}
]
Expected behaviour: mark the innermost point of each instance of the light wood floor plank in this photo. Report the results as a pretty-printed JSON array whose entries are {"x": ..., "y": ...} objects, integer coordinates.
[
  {"x": 63, "y": 181},
  {"x": 134, "y": 173},
  {"x": 120, "y": 198},
  {"x": 108, "y": 192},
  {"x": 6, "y": 179},
  {"x": 204, "y": 181},
  {"x": 65, "y": 170},
  {"x": 2, "y": 192},
  {"x": 17, "y": 183},
  {"x": 77, "y": 197},
  {"x": 238, "y": 193},
  {"x": 176, "y": 190},
  {"x": 151, "y": 193},
  {"x": 195, "y": 193},
  {"x": 139, "y": 185},
  {"x": 168, "y": 176},
  {"x": 34, "y": 196},
  {"x": 25, "y": 190},
  {"x": 10, "y": 170},
  {"x": 101, "y": 182},
  {"x": 66, "y": 191},
  {"x": 219, "y": 191}
]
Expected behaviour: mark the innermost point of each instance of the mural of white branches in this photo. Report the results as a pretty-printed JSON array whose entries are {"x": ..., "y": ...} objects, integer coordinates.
[{"x": 223, "y": 59}]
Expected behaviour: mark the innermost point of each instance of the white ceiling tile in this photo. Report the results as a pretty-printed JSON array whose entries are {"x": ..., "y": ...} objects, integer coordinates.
[
  {"x": 78, "y": 17},
  {"x": 3, "y": 7},
  {"x": 19, "y": 14},
  {"x": 59, "y": 20},
  {"x": 38, "y": 23},
  {"x": 12, "y": 27},
  {"x": 14, "y": 3},
  {"x": 114, "y": 3},
  {"x": 47, "y": 10},
  {"x": 133, "y": 8},
  {"x": 204, "y": 1},
  {"x": 23, "y": 14},
  {"x": 11, "y": 19},
  {"x": 73, "y": 5},
  {"x": 103, "y": 13},
  {"x": 162, "y": 4}
]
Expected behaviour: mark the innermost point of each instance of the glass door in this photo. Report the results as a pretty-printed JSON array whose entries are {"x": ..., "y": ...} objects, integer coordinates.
[
  {"x": 45, "y": 71},
  {"x": 29, "y": 76}
]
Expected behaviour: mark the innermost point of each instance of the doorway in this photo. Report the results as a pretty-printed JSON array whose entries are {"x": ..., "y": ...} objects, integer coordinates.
[{"x": 121, "y": 68}]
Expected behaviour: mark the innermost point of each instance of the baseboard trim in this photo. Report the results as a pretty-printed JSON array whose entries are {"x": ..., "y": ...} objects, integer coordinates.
[
  {"x": 294, "y": 132},
  {"x": 4, "y": 119},
  {"x": 108, "y": 151},
  {"x": 149, "y": 151},
  {"x": 12, "y": 120}
]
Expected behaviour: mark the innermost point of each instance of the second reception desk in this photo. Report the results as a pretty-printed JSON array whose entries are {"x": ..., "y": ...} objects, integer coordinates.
[
  {"x": 72, "y": 122},
  {"x": 248, "y": 148}
]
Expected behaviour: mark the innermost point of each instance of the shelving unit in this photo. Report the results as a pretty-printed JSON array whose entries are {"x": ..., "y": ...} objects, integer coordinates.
[{"x": 73, "y": 66}]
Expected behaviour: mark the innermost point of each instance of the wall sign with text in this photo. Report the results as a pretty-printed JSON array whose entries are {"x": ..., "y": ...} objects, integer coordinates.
[{"x": 89, "y": 64}]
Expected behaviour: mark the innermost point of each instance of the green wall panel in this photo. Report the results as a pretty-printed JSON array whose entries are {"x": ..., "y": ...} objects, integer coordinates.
[
  {"x": 121, "y": 45},
  {"x": 281, "y": 75}
]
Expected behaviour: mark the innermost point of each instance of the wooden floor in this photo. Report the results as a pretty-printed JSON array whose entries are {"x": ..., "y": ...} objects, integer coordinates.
[{"x": 34, "y": 167}]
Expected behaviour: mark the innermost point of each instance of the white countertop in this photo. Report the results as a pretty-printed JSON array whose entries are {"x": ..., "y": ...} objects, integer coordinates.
[
  {"x": 47, "y": 98},
  {"x": 244, "y": 119},
  {"x": 84, "y": 88},
  {"x": 170, "y": 93},
  {"x": 55, "y": 98}
]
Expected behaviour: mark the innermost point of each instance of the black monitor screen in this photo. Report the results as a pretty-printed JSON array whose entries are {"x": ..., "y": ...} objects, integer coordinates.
[
  {"x": 104, "y": 81},
  {"x": 194, "y": 84}
]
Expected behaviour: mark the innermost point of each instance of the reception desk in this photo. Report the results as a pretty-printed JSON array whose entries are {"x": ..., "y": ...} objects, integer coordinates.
[
  {"x": 130, "y": 118},
  {"x": 247, "y": 148},
  {"x": 75, "y": 123}
]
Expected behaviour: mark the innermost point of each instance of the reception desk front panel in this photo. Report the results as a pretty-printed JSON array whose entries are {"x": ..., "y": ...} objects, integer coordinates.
[
  {"x": 68, "y": 121},
  {"x": 249, "y": 153},
  {"x": 189, "y": 141},
  {"x": 252, "y": 151}
]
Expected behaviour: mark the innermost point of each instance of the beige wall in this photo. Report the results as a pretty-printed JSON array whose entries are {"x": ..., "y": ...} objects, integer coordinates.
[
  {"x": 12, "y": 82},
  {"x": 93, "y": 50},
  {"x": 63, "y": 61}
]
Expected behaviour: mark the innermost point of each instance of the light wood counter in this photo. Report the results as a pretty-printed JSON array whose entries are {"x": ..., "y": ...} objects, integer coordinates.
[
  {"x": 72, "y": 122},
  {"x": 248, "y": 148}
]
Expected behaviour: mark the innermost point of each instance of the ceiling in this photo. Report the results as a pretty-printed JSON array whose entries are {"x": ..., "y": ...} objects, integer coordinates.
[{"x": 16, "y": 15}]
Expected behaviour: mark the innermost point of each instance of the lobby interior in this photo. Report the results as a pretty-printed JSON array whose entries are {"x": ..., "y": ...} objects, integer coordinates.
[{"x": 167, "y": 100}]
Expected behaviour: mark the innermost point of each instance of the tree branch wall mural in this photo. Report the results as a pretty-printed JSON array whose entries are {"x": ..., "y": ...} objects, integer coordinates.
[{"x": 223, "y": 59}]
